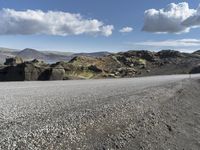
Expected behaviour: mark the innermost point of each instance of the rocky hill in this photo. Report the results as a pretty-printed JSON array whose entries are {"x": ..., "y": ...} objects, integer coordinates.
[
  {"x": 197, "y": 52},
  {"x": 30, "y": 54},
  {"x": 123, "y": 64}
]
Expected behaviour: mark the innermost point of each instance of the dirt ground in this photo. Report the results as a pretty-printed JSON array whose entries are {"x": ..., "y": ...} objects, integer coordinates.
[{"x": 159, "y": 117}]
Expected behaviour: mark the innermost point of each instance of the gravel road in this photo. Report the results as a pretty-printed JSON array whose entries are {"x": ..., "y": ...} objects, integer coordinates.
[{"x": 160, "y": 112}]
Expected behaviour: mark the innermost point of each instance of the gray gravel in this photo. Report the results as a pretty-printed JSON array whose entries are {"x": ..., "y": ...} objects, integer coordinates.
[{"x": 160, "y": 112}]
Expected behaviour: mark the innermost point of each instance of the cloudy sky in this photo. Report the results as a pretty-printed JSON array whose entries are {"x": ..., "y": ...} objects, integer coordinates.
[{"x": 103, "y": 25}]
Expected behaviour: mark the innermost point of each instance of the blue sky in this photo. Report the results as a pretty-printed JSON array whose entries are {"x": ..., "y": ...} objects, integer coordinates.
[{"x": 118, "y": 13}]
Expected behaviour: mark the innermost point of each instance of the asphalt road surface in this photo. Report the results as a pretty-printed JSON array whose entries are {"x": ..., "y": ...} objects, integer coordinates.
[{"x": 136, "y": 113}]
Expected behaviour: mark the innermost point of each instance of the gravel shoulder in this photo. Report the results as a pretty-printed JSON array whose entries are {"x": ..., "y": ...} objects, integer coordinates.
[{"x": 144, "y": 113}]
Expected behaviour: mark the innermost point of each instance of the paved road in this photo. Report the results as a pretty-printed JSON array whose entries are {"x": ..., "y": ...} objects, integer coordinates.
[{"x": 51, "y": 115}]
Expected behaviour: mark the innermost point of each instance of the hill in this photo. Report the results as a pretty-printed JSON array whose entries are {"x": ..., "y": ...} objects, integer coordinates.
[
  {"x": 30, "y": 54},
  {"x": 197, "y": 52},
  {"x": 119, "y": 65}
]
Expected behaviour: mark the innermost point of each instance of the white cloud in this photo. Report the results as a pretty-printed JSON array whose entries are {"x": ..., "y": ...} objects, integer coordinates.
[
  {"x": 50, "y": 23},
  {"x": 172, "y": 43},
  {"x": 126, "y": 30},
  {"x": 175, "y": 18},
  {"x": 194, "y": 20},
  {"x": 184, "y": 45}
]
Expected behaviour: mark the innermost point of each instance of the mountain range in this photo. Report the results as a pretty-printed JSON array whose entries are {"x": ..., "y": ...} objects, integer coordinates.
[{"x": 46, "y": 56}]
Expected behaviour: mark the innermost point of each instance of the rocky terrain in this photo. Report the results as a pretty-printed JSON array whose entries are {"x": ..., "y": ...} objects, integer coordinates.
[{"x": 118, "y": 65}]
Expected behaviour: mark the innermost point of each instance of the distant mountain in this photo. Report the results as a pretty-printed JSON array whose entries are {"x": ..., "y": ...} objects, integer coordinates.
[
  {"x": 3, "y": 49},
  {"x": 95, "y": 54},
  {"x": 47, "y": 56},
  {"x": 58, "y": 53},
  {"x": 30, "y": 54}
]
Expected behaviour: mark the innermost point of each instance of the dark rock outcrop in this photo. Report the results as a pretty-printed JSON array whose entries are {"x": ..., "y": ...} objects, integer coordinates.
[
  {"x": 195, "y": 70},
  {"x": 13, "y": 61},
  {"x": 94, "y": 68},
  {"x": 43, "y": 72},
  {"x": 31, "y": 71},
  {"x": 197, "y": 52},
  {"x": 143, "y": 54},
  {"x": 169, "y": 54},
  {"x": 57, "y": 73},
  {"x": 12, "y": 73}
]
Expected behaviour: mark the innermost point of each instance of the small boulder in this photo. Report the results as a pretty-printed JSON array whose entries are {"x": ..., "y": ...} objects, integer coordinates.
[
  {"x": 124, "y": 71},
  {"x": 148, "y": 71},
  {"x": 94, "y": 68},
  {"x": 111, "y": 75}
]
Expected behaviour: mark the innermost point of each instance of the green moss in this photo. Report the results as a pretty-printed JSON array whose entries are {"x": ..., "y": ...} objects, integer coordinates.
[
  {"x": 79, "y": 75},
  {"x": 87, "y": 75},
  {"x": 136, "y": 61},
  {"x": 142, "y": 61}
]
